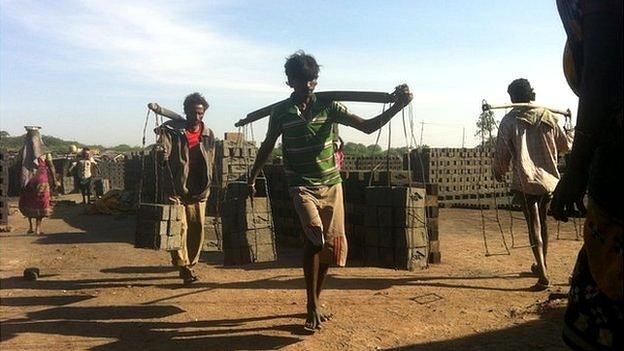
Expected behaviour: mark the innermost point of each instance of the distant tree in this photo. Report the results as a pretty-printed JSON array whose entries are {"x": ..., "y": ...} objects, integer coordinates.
[
  {"x": 122, "y": 148},
  {"x": 355, "y": 149},
  {"x": 277, "y": 151},
  {"x": 486, "y": 129},
  {"x": 4, "y": 134},
  {"x": 373, "y": 149}
]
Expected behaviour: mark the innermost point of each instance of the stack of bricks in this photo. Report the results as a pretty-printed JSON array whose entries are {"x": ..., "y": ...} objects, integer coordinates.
[
  {"x": 114, "y": 172},
  {"x": 464, "y": 176},
  {"x": 288, "y": 228},
  {"x": 349, "y": 163},
  {"x": 354, "y": 188},
  {"x": 156, "y": 180},
  {"x": 285, "y": 218},
  {"x": 396, "y": 233},
  {"x": 248, "y": 235},
  {"x": 379, "y": 162},
  {"x": 159, "y": 226},
  {"x": 132, "y": 171},
  {"x": 4, "y": 190},
  {"x": 234, "y": 157},
  {"x": 432, "y": 214},
  {"x": 213, "y": 236},
  {"x": 14, "y": 165},
  {"x": 355, "y": 184}
]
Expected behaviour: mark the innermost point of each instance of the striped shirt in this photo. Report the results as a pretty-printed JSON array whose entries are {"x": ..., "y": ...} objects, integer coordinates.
[{"x": 307, "y": 141}]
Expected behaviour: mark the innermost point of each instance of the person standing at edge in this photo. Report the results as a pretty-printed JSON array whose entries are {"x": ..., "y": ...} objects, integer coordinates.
[
  {"x": 531, "y": 139},
  {"x": 37, "y": 179},
  {"x": 594, "y": 317},
  {"x": 306, "y": 126},
  {"x": 188, "y": 148}
]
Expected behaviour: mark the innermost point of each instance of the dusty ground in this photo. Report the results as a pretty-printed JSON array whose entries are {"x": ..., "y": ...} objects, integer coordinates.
[{"x": 98, "y": 292}]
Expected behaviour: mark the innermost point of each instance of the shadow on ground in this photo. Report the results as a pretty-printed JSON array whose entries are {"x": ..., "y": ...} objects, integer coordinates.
[
  {"x": 542, "y": 334},
  {"x": 133, "y": 327},
  {"x": 96, "y": 228},
  {"x": 280, "y": 282}
]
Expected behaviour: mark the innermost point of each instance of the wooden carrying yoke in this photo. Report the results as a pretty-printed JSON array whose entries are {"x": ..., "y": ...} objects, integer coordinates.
[
  {"x": 164, "y": 112},
  {"x": 355, "y": 96},
  {"x": 485, "y": 106}
]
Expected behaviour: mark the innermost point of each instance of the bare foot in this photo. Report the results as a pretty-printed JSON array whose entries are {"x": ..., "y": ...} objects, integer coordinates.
[
  {"x": 542, "y": 284},
  {"x": 313, "y": 321},
  {"x": 323, "y": 315},
  {"x": 30, "y": 231}
]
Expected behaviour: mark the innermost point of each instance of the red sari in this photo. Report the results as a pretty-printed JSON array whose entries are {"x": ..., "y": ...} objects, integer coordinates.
[{"x": 34, "y": 201}]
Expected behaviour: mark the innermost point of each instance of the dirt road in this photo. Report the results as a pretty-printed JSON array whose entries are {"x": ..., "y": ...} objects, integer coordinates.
[{"x": 97, "y": 292}]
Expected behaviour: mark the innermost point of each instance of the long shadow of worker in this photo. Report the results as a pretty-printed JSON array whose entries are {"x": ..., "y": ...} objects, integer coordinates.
[
  {"x": 142, "y": 327},
  {"x": 278, "y": 282}
]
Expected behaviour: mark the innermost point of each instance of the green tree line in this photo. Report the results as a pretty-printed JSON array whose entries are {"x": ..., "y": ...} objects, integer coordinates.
[{"x": 57, "y": 145}]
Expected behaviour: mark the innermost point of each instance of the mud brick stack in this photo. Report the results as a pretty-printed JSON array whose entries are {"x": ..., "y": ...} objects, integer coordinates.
[
  {"x": 464, "y": 176},
  {"x": 381, "y": 162},
  {"x": 396, "y": 234},
  {"x": 287, "y": 226},
  {"x": 355, "y": 184},
  {"x": 14, "y": 175},
  {"x": 432, "y": 214},
  {"x": 213, "y": 237},
  {"x": 349, "y": 163},
  {"x": 156, "y": 180},
  {"x": 132, "y": 171},
  {"x": 233, "y": 158},
  {"x": 354, "y": 188},
  {"x": 4, "y": 189},
  {"x": 114, "y": 172},
  {"x": 248, "y": 235},
  {"x": 159, "y": 226}
]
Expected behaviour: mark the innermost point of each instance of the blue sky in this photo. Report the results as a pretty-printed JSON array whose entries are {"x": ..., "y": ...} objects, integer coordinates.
[{"x": 85, "y": 70}]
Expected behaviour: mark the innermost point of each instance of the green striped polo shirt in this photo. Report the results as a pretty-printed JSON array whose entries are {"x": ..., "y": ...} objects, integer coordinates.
[{"x": 307, "y": 144}]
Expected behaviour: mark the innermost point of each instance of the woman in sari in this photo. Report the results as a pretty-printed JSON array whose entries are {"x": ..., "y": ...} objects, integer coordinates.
[{"x": 37, "y": 176}]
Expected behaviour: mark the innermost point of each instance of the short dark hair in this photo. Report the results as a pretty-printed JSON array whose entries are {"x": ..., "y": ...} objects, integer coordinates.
[
  {"x": 520, "y": 90},
  {"x": 301, "y": 66},
  {"x": 192, "y": 100}
]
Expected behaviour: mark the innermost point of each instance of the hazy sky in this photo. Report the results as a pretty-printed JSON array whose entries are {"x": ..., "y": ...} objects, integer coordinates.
[{"x": 85, "y": 70}]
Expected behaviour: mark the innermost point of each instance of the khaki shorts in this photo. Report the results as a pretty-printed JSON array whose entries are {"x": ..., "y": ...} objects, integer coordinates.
[{"x": 321, "y": 212}]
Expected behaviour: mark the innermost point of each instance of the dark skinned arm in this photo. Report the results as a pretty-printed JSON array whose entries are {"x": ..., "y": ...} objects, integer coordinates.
[
  {"x": 593, "y": 115},
  {"x": 368, "y": 126}
]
